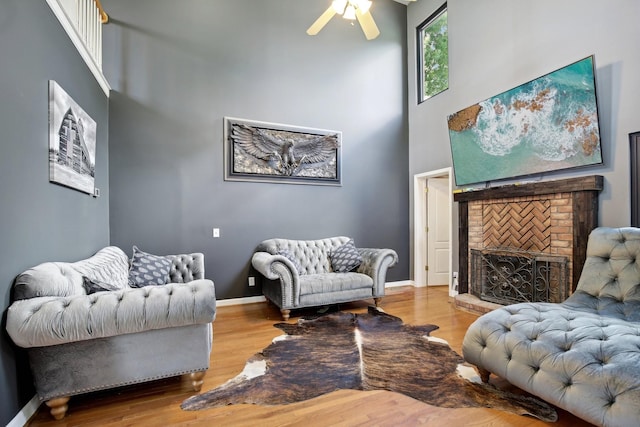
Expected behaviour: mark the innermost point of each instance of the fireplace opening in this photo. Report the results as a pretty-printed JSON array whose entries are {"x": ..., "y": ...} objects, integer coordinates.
[{"x": 511, "y": 275}]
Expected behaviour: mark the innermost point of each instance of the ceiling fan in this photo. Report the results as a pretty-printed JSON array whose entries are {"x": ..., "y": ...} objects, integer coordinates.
[{"x": 351, "y": 10}]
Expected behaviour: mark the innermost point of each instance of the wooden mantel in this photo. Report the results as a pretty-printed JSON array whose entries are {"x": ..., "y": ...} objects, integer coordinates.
[{"x": 582, "y": 192}]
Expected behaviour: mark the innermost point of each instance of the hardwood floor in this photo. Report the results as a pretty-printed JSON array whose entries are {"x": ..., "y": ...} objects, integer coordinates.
[{"x": 240, "y": 331}]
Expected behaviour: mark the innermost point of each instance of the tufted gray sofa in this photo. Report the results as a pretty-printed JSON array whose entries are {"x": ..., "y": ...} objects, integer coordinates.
[
  {"x": 79, "y": 343},
  {"x": 315, "y": 283},
  {"x": 582, "y": 355}
]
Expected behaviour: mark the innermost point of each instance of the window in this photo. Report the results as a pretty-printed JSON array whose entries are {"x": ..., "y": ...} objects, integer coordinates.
[
  {"x": 433, "y": 55},
  {"x": 634, "y": 140}
]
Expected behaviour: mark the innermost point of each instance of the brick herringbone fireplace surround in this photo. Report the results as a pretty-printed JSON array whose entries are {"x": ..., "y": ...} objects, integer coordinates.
[{"x": 553, "y": 217}]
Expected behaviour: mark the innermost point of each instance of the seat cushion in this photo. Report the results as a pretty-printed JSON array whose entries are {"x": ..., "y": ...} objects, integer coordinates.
[
  {"x": 332, "y": 282},
  {"x": 47, "y": 321}
]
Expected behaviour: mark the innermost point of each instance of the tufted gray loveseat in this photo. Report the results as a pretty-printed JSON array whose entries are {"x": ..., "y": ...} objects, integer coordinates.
[
  {"x": 582, "y": 355},
  {"x": 79, "y": 343},
  {"x": 305, "y": 278}
]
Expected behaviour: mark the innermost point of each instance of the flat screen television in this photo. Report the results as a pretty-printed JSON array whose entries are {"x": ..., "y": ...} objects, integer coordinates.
[{"x": 547, "y": 124}]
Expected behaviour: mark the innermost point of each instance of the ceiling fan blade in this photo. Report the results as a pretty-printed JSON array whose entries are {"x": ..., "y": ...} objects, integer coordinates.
[
  {"x": 368, "y": 25},
  {"x": 321, "y": 21}
]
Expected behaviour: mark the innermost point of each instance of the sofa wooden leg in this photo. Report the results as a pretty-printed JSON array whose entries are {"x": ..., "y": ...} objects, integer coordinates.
[
  {"x": 484, "y": 375},
  {"x": 377, "y": 301},
  {"x": 58, "y": 407},
  {"x": 285, "y": 314},
  {"x": 197, "y": 379}
]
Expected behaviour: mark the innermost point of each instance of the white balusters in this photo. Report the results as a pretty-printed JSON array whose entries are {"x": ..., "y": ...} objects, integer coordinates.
[
  {"x": 82, "y": 20},
  {"x": 89, "y": 28}
]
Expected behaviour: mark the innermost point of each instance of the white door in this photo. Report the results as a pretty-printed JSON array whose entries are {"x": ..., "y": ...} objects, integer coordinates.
[{"x": 438, "y": 245}]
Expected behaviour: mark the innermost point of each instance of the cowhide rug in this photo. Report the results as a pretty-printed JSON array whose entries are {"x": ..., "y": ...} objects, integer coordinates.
[{"x": 372, "y": 351}]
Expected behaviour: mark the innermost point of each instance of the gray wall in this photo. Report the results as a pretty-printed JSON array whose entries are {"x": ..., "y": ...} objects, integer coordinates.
[
  {"x": 495, "y": 45},
  {"x": 177, "y": 68},
  {"x": 40, "y": 221}
]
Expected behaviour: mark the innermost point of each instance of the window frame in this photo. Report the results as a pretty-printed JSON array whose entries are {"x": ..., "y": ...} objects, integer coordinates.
[
  {"x": 420, "y": 52},
  {"x": 634, "y": 155}
]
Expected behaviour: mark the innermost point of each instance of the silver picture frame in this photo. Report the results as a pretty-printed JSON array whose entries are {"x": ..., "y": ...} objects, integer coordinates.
[{"x": 257, "y": 151}]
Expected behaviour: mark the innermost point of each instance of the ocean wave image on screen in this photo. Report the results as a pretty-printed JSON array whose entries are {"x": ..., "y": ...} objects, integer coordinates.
[{"x": 547, "y": 124}]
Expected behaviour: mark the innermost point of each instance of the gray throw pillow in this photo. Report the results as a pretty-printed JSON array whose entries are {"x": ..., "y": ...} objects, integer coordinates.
[
  {"x": 148, "y": 269},
  {"x": 288, "y": 255},
  {"x": 345, "y": 258},
  {"x": 91, "y": 286}
]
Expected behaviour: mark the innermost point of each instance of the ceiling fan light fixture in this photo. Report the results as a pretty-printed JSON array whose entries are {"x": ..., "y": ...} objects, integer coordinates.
[
  {"x": 350, "y": 12},
  {"x": 363, "y": 5},
  {"x": 339, "y": 6}
]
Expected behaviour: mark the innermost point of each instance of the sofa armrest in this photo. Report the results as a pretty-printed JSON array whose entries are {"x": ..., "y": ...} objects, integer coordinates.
[
  {"x": 278, "y": 267},
  {"x": 46, "y": 321},
  {"x": 375, "y": 263}
]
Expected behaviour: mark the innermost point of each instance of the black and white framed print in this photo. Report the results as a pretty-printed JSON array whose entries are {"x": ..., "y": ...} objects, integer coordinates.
[{"x": 72, "y": 142}]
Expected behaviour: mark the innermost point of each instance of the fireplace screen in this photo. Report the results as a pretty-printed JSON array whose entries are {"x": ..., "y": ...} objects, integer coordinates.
[{"x": 508, "y": 276}]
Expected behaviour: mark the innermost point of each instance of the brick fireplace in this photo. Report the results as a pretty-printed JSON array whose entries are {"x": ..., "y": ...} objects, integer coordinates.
[{"x": 551, "y": 218}]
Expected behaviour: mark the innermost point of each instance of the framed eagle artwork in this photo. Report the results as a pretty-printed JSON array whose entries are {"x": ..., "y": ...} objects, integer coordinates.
[{"x": 277, "y": 153}]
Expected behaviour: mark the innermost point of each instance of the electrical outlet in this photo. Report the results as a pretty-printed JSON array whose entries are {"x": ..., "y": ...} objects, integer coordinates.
[
  {"x": 216, "y": 232},
  {"x": 252, "y": 281}
]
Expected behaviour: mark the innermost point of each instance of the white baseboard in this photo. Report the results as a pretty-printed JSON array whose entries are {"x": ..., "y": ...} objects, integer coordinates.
[
  {"x": 239, "y": 301},
  {"x": 21, "y": 419},
  {"x": 399, "y": 283},
  {"x": 251, "y": 300}
]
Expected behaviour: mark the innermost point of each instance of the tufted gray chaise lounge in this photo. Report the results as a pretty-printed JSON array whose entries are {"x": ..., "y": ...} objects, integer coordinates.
[
  {"x": 313, "y": 282},
  {"x": 79, "y": 343},
  {"x": 582, "y": 355}
]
